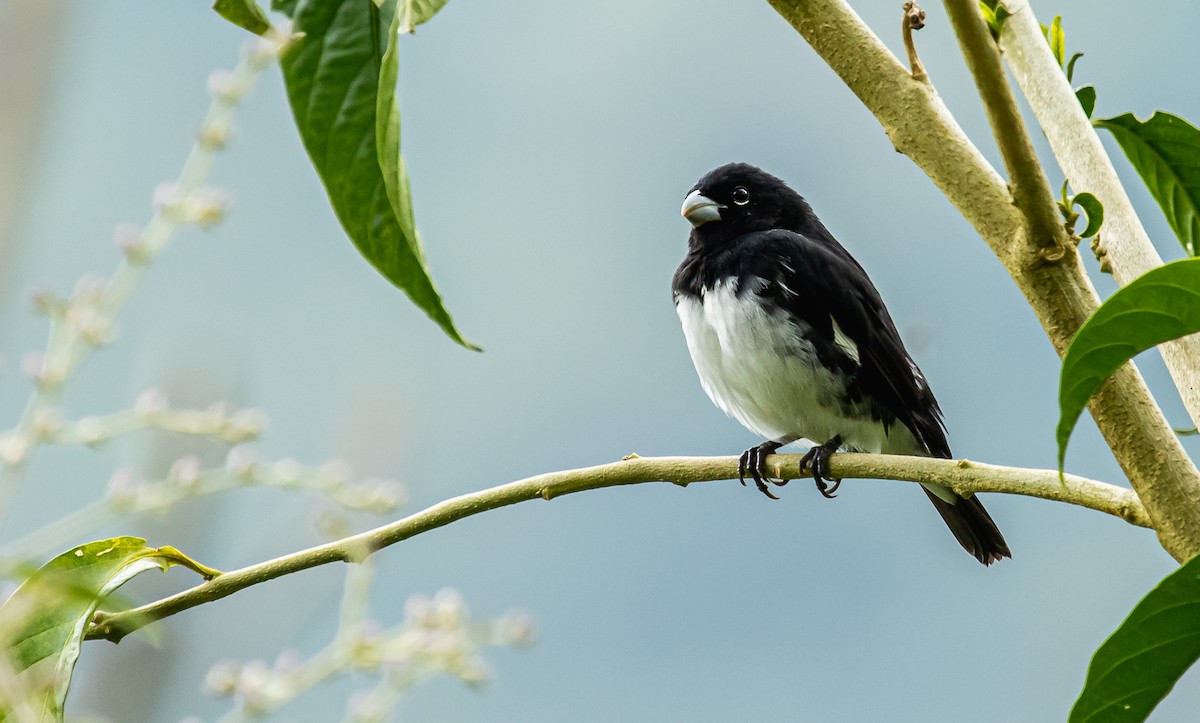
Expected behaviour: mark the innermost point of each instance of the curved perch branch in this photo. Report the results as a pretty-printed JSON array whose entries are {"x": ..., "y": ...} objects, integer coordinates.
[{"x": 962, "y": 475}]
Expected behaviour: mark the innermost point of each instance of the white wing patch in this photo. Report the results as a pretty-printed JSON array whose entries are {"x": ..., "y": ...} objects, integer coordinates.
[{"x": 844, "y": 342}]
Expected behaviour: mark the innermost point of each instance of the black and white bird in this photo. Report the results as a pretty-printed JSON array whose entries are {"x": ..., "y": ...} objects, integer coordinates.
[{"x": 790, "y": 338}]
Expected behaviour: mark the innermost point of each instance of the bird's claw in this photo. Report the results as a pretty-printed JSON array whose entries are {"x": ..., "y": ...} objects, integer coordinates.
[
  {"x": 817, "y": 460},
  {"x": 753, "y": 462}
]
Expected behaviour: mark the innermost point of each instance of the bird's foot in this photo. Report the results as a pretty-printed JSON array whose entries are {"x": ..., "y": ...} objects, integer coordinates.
[
  {"x": 817, "y": 459},
  {"x": 753, "y": 462}
]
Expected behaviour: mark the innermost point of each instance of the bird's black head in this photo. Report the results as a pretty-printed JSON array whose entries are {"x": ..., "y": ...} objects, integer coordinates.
[{"x": 738, "y": 198}]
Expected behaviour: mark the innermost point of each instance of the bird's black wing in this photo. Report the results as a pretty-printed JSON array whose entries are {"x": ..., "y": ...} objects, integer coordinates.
[{"x": 818, "y": 284}]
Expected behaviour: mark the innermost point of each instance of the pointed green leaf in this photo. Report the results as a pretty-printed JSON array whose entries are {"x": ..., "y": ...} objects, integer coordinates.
[
  {"x": 1058, "y": 41},
  {"x": 1165, "y": 151},
  {"x": 994, "y": 14},
  {"x": 989, "y": 15},
  {"x": 42, "y": 625},
  {"x": 1087, "y": 99},
  {"x": 1138, "y": 665},
  {"x": 340, "y": 81},
  {"x": 245, "y": 14},
  {"x": 416, "y": 12},
  {"x": 1071, "y": 66},
  {"x": 1094, "y": 210},
  {"x": 1158, "y": 306}
]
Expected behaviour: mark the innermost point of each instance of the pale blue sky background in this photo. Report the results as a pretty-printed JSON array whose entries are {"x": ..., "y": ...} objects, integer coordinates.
[{"x": 550, "y": 145}]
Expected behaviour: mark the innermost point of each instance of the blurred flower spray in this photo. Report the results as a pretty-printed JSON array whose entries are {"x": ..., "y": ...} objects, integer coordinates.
[{"x": 437, "y": 635}]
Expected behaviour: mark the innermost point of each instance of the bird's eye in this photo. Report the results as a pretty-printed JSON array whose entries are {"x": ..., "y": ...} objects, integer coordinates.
[{"x": 740, "y": 196}]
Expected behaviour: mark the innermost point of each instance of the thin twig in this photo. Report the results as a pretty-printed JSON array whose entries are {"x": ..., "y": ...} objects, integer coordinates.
[
  {"x": 962, "y": 475},
  {"x": 1030, "y": 189},
  {"x": 914, "y": 19}
]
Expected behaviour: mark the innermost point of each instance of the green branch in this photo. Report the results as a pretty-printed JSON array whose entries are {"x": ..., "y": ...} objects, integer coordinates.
[
  {"x": 962, "y": 475},
  {"x": 1030, "y": 189},
  {"x": 1059, "y": 292},
  {"x": 1073, "y": 140}
]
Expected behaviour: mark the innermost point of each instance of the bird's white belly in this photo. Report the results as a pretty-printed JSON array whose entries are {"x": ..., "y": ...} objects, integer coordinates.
[{"x": 757, "y": 367}]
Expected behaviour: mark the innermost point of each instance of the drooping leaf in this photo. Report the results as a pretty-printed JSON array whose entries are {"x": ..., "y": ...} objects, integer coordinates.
[
  {"x": 42, "y": 625},
  {"x": 416, "y": 12},
  {"x": 246, "y": 14},
  {"x": 1165, "y": 151},
  {"x": 337, "y": 83},
  {"x": 1138, "y": 665},
  {"x": 1094, "y": 210},
  {"x": 1158, "y": 306},
  {"x": 1058, "y": 41},
  {"x": 1087, "y": 99},
  {"x": 1071, "y": 66}
]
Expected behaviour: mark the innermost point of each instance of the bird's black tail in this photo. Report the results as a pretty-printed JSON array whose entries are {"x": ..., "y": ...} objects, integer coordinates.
[{"x": 972, "y": 527}]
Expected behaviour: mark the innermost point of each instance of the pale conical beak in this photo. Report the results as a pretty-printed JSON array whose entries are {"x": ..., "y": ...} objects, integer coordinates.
[{"x": 699, "y": 209}]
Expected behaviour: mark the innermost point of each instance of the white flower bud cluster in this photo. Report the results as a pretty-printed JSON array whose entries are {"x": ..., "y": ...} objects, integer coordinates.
[
  {"x": 438, "y": 635},
  {"x": 373, "y": 495},
  {"x": 48, "y": 304},
  {"x": 128, "y": 237},
  {"x": 242, "y": 468},
  {"x": 14, "y": 447},
  {"x": 204, "y": 207},
  {"x": 260, "y": 51},
  {"x": 367, "y": 707},
  {"x": 259, "y": 688},
  {"x": 151, "y": 404},
  {"x": 124, "y": 488},
  {"x": 83, "y": 314}
]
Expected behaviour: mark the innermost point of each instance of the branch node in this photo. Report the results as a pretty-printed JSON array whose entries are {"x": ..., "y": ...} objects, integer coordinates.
[
  {"x": 1054, "y": 253},
  {"x": 546, "y": 494},
  {"x": 914, "y": 19},
  {"x": 1101, "y": 253}
]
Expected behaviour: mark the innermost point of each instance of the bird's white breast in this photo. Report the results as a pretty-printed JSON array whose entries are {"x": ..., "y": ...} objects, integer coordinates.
[{"x": 756, "y": 365}]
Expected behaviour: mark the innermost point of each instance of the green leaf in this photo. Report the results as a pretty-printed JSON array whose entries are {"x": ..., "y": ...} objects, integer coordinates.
[
  {"x": 1094, "y": 210},
  {"x": 340, "y": 80},
  {"x": 1165, "y": 151},
  {"x": 989, "y": 14},
  {"x": 42, "y": 625},
  {"x": 245, "y": 14},
  {"x": 1058, "y": 41},
  {"x": 1071, "y": 66},
  {"x": 1158, "y": 306},
  {"x": 1139, "y": 664},
  {"x": 416, "y": 12},
  {"x": 995, "y": 14},
  {"x": 1087, "y": 99}
]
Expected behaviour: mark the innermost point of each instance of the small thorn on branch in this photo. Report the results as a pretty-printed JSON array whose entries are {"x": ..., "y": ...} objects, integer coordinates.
[{"x": 914, "y": 19}]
